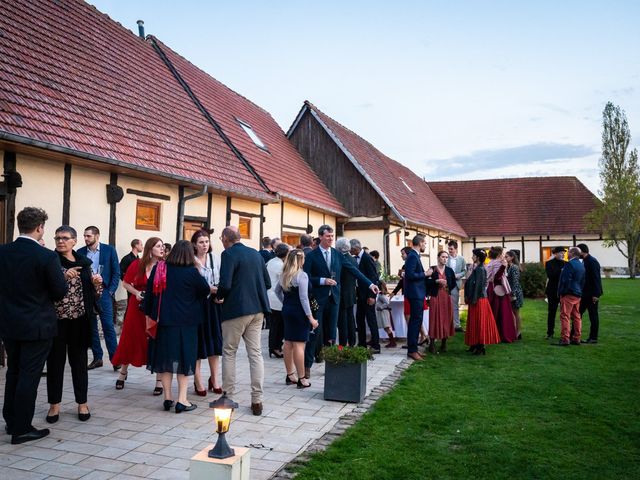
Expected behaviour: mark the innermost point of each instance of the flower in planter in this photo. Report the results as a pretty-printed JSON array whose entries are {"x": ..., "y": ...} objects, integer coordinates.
[{"x": 338, "y": 354}]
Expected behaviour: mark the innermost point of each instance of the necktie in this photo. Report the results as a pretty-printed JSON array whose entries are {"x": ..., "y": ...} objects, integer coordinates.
[{"x": 326, "y": 259}]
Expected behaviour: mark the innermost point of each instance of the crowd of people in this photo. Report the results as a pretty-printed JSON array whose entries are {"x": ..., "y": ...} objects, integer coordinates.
[{"x": 186, "y": 304}]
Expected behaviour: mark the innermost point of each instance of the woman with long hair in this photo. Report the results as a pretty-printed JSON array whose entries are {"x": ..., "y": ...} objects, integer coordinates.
[
  {"x": 481, "y": 326},
  {"x": 293, "y": 291},
  {"x": 517, "y": 296},
  {"x": 175, "y": 300},
  {"x": 441, "y": 282},
  {"x": 132, "y": 348},
  {"x": 75, "y": 313},
  {"x": 210, "y": 330},
  {"x": 499, "y": 294}
]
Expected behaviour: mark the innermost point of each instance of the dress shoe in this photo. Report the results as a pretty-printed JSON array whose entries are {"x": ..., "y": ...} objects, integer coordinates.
[
  {"x": 275, "y": 353},
  {"x": 549, "y": 336},
  {"x": 52, "y": 418},
  {"x": 391, "y": 344},
  {"x": 213, "y": 389},
  {"x": 34, "y": 434},
  {"x": 589, "y": 340},
  {"x": 183, "y": 408},
  {"x": 167, "y": 404},
  {"x": 562, "y": 344},
  {"x": 415, "y": 356},
  {"x": 95, "y": 364},
  {"x": 83, "y": 417},
  {"x": 374, "y": 350},
  {"x": 256, "y": 408},
  {"x": 575, "y": 342},
  {"x": 116, "y": 367}
]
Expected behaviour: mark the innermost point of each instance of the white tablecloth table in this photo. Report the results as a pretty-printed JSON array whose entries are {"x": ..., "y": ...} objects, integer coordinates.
[{"x": 397, "y": 314}]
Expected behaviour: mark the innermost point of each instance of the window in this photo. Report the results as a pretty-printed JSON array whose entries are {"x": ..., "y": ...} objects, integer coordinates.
[
  {"x": 405, "y": 184},
  {"x": 253, "y": 135},
  {"x": 292, "y": 239},
  {"x": 147, "y": 215},
  {"x": 244, "y": 227}
]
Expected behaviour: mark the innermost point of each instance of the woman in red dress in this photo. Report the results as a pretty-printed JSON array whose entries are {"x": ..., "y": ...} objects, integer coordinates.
[
  {"x": 441, "y": 282},
  {"x": 132, "y": 349},
  {"x": 499, "y": 294},
  {"x": 481, "y": 326}
]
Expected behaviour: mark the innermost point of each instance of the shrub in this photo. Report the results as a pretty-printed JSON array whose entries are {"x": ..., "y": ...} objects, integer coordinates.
[
  {"x": 533, "y": 280},
  {"x": 340, "y": 354}
]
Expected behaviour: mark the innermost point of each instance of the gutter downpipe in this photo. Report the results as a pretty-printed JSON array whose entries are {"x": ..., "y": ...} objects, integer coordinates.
[
  {"x": 385, "y": 245},
  {"x": 181, "y": 201}
]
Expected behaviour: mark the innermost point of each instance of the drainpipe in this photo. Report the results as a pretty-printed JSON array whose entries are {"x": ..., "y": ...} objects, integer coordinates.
[
  {"x": 385, "y": 246},
  {"x": 181, "y": 201}
]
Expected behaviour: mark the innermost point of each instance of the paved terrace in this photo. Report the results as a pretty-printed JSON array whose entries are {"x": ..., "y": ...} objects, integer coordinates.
[{"x": 130, "y": 436}]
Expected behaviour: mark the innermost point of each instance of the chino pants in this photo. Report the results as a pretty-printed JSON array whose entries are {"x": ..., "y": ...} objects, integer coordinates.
[
  {"x": 247, "y": 328},
  {"x": 552, "y": 308},
  {"x": 587, "y": 304},
  {"x": 367, "y": 312},
  {"x": 25, "y": 362},
  {"x": 570, "y": 320},
  {"x": 68, "y": 343},
  {"x": 108, "y": 330},
  {"x": 455, "y": 303}
]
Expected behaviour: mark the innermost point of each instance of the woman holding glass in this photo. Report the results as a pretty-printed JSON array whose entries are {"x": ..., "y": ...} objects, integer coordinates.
[{"x": 75, "y": 313}]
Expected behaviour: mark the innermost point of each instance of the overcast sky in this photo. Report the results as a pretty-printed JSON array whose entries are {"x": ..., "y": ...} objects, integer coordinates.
[{"x": 452, "y": 89}]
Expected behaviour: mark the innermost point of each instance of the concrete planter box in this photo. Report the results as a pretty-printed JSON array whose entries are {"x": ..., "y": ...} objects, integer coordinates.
[{"x": 345, "y": 382}]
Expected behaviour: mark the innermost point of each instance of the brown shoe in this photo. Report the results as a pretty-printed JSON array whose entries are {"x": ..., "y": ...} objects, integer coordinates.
[
  {"x": 391, "y": 344},
  {"x": 256, "y": 408},
  {"x": 415, "y": 356}
]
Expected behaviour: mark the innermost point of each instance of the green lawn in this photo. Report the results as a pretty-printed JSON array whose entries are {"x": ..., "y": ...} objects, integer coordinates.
[{"x": 526, "y": 410}]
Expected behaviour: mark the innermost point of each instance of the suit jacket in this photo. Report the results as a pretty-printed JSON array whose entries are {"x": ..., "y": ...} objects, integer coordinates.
[
  {"x": 244, "y": 282},
  {"x": 572, "y": 279},
  {"x": 368, "y": 268},
  {"x": 459, "y": 270},
  {"x": 348, "y": 284},
  {"x": 125, "y": 262},
  {"x": 182, "y": 303},
  {"x": 414, "y": 285},
  {"x": 592, "y": 279},
  {"x": 110, "y": 266},
  {"x": 553, "y": 268},
  {"x": 267, "y": 254},
  {"x": 316, "y": 268},
  {"x": 31, "y": 279},
  {"x": 432, "y": 286}
]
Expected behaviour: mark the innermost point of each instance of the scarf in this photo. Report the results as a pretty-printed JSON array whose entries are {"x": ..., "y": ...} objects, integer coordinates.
[
  {"x": 160, "y": 279},
  {"x": 492, "y": 268}
]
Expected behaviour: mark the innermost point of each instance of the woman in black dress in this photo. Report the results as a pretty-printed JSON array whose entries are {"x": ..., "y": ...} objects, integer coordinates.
[{"x": 293, "y": 291}]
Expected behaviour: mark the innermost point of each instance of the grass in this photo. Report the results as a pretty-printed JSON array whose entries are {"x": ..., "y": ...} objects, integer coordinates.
[{"x": 525, "y": 410}]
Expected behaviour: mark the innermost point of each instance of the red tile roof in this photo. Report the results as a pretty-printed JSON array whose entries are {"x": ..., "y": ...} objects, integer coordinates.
[
  {"x": 281, "y": 167},
  {"x": 71, "y": 77},
  {"x": 518, "y": 206},
  {"x": 401, "y": 189}
]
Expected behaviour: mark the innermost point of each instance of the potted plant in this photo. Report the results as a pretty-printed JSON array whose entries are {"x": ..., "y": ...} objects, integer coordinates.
[{"x": 345, "y": 374}]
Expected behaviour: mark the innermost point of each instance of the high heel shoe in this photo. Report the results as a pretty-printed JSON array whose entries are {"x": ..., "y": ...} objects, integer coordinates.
[
  {"x": 159, "y": 390},
  {"x": 120, "y": 383},
  {"x": 275, "y": 353},
  {"x": 167, "y": 404},
  {"x": 288, "y": 380},
  {"x": 303, "y": 385},
  {"x": 213, "y": 389},
  {"x": 201, "y": 393},
  {"x": 184, "y": 408}
]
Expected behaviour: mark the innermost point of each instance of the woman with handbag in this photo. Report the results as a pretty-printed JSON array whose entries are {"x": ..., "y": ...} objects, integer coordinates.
[
  {"x": 517, "y": 296},
  {"x": 441, "y": 282},
  {"x": 174, "y": 305},
  {"x": 132, "y": 348},
  {"x": 293, "y": 291},
  {"x": 75, "y": 313},
  {"x": 499, "y": 294}
]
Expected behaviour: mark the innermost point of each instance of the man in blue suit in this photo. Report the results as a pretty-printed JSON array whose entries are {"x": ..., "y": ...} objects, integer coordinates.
[
  {"x": 324, "y": 266},
  {"x": 570, "y": 288},
  {"x": 104, "y": 258},
  {"x": 415, "y": 291}
]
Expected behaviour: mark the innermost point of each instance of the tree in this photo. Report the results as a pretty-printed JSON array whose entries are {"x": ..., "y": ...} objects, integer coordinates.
[{"x": 618, "y": 216}]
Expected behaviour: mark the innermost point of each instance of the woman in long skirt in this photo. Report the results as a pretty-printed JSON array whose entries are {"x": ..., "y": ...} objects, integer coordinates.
[
  {"x": 499, "y": 294},
  {"x": 442, "y": 281}
]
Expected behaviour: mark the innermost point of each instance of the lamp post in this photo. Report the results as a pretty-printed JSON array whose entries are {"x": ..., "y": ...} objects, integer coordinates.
[{"x": 222, "y": 409}]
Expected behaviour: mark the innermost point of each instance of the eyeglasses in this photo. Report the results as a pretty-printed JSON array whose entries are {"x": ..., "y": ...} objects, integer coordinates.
[{"x": 62, "y": 239}]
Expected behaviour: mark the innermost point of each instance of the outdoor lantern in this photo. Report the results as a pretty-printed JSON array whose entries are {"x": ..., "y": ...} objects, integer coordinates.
[{"x": 222, "y": 409}]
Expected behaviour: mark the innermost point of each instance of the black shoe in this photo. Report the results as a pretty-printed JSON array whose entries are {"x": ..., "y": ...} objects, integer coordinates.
[
  {"x": 83, "y": 417},
  {"x": 549, "y": 336},
  {"x": 116, "y": 368},
  {"x": 405, "y": 347},
  {"x": 34, "y": 434},
  {"x": 275, "y": 354},
  {"x": 183, "y": 408},
  {"x": 460, "y": 329},
  {"x": 374, "y": 350},
  {"x": 167, "y": 404},
  {"x": 288, "y": 380},
  {"x": 562, "y": 344},
  {"x": 575, "y": 342},
  {"x": 95, "y": 364},
  {"x": 52, "y": 418},
  {"x": 589, "y": 340},
  {"x": 303, "y": 385}
]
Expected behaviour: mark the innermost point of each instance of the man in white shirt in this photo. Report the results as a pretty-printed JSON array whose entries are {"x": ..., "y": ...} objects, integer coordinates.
[{"x": 459, "y": 267}]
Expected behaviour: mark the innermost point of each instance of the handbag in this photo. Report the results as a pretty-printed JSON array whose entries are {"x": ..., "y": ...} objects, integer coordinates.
[{"x": 499, "y": 290}]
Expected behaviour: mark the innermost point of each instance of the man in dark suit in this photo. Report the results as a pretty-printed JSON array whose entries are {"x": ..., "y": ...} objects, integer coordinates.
[
  {"x": 306, "y": 242},
  {"x": 266, "y": 252},
  {"x": 414, "y": 288},
  {"x": 31, "y": 279},
  {"x": 553, "y": 268},
  {"x": 346, "y": 320},
  {"x": 324, "y": 267},
  {"x": 244, "y": 281},
  {"x": 366, "y": 298},
  {"x": 591, "y": 293},
  {"x": 104, "y": 260},
  {"x": 136, "y": 250}
]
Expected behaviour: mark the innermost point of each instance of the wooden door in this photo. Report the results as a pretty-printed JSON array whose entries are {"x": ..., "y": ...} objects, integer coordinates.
[{"x": 190, "y": 227}]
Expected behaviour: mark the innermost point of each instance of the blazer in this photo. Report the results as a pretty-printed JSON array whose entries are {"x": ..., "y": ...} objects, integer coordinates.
[
  {"x": 592, "y": 278},
  {"x": 459, "y": 271},
  {"x": 182, "y": 303},
  {"x": 553, "y": 268},
  {"x": 414, "y": 285},
  {"x": 368, "y": 268},
  {"x": 316, "y": 268},
  {"x": 572, "y": 279},
  {"x": 475, "y": 287},
  {"x": 110, "y": 266},
  {"x": 31, "y": 279},
  {"x": 267, "y": 254},
  {"x": 432, "y": 286},
  {"x": 244, "y": 282},
  {"x": 348, "y": 284}
]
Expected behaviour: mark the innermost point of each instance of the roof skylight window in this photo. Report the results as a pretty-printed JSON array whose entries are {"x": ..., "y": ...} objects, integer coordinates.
[
  {"x": 405, "y": 184},
  {"x": 253, "y": 135}
]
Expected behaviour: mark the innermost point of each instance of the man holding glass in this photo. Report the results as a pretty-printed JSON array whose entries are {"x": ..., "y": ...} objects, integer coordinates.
[{"x": 104, "y": 262}]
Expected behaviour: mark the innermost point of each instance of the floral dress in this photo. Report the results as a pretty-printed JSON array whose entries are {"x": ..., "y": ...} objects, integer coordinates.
[{"x": 517, "y": 296}]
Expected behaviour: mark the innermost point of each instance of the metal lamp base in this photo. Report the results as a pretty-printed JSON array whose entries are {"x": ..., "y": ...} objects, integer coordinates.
[{"x": 221, "y": 449}]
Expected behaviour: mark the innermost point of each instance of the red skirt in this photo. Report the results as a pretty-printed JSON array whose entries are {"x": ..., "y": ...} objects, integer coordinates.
[
  {"x": 132, "y": 348},
  {"x": 481, "y": 326},
  {"x": 441, "y": 316}
]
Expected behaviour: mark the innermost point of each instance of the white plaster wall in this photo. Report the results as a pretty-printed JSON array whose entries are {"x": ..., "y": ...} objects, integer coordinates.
[
  {"x": 271, "y": 226},
  {"x": 218, "y": 221},
  {"x": 88, "y": 203}
]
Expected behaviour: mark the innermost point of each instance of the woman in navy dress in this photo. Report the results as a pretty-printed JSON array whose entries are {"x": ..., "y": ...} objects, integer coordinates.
[
  {"x": 517, "y": 295},
  {"x": 293, "y": 291}
]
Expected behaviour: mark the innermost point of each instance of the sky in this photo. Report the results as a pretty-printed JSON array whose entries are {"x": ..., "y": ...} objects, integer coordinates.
[{"x": 455, "y": 90}]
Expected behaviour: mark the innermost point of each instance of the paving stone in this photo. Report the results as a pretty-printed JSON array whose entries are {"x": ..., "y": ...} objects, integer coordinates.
[
  {"x": 63, "y": 470},
  {"x": 27, "y": 463}
]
